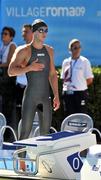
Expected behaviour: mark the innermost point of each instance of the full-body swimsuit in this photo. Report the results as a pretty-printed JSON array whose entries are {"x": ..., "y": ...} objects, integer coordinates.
[{"x": 37, "y": 93}]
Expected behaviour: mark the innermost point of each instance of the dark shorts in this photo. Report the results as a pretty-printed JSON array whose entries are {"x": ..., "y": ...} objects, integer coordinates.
[{"x": 75, "y": 102}]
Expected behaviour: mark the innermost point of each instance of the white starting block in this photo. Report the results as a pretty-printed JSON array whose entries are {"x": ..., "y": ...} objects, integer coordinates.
[
  {"x": 92, "y": 164},
  {"x": 56, "y": 155}
]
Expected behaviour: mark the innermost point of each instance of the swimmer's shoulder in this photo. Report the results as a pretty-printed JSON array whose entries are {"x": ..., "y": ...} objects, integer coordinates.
[
  {"x": 22, "y": 49},
  {"x": 49, "y": 48}
]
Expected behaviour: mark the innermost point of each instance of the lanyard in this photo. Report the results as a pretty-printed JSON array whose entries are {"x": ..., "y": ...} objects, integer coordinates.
[{"x": 71, "y": 71}]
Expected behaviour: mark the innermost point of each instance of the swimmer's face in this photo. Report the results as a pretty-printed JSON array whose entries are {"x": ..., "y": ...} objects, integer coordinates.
[{"x": 41, "y": 33}]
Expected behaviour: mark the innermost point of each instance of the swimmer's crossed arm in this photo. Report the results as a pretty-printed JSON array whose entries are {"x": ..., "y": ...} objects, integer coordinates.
[{"x": 19, "y": 61}]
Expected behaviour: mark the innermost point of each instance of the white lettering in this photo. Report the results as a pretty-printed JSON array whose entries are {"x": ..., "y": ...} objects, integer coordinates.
[
  {"x": 48, "y": 11},
  {"x": 22, "y": 13},
  {"x": 36, "y": 12},
  {"x": 10, "y": 11},
  {"x": 41, "y": 54},
  {"x": 76, "y": 163},
  {"x": 29, "y": 12},
  {"x": 54, "y": 11},
  {"x": 42, "y": 12},
  {"x": 45, "y": 11},
  {"x": 63, "y": 11},
  {"x": 17, "y": 14}
]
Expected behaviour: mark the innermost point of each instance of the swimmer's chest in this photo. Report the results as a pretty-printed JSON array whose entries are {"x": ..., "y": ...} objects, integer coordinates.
[{"x": 42, "y": 55}]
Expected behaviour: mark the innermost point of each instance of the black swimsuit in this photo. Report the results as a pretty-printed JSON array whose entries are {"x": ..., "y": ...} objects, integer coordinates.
[{"x": 37, "y": 94}]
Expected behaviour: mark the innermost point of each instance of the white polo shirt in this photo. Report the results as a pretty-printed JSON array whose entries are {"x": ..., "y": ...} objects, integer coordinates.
[
  {"x": 4, "y": 51},
  {"x": 75, "y": 72}
]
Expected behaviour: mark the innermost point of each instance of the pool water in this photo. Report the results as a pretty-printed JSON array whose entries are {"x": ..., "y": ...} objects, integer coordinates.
[{"x": 6, "y": 165}]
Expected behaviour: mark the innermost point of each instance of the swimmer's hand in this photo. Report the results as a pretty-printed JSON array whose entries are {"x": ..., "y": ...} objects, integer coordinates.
[
  {"x": 56, "y": 103},
  {"x": 36, "y": 66}
]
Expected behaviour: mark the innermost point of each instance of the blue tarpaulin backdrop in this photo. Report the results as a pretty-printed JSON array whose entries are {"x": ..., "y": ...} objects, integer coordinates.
[{"x": 67, "y": 19}]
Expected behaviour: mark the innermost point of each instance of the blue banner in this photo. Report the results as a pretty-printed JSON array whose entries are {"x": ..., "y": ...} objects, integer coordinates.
[{"x": 66, "y": 20}]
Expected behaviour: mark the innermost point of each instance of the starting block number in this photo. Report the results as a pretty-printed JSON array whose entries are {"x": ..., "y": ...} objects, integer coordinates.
[{"x": 75, "y": 162}]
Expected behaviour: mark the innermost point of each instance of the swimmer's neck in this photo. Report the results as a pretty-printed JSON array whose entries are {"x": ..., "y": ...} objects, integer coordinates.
[{"x": 37, "y": 44}]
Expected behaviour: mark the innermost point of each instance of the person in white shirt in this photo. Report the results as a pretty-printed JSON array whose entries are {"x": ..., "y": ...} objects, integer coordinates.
[{"x": 77, "y": 76}]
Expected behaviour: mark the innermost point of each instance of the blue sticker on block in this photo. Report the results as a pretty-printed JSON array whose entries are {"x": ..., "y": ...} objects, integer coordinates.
[{"x": 75, "y": 162}]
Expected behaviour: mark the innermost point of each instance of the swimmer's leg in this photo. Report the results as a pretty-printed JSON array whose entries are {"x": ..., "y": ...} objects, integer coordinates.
[
  {"x": 46, "y": 119},
  {"x": 28, "y": 113}
]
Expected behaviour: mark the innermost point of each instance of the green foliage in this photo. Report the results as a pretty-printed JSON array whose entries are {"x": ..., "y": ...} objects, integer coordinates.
[{"x": 94, "y": 104}]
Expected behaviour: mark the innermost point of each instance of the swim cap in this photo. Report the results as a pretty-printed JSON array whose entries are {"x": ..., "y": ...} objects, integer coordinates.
[
  {"x": 37, "y": 24},
  {"x": 72, "y": 42}
]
